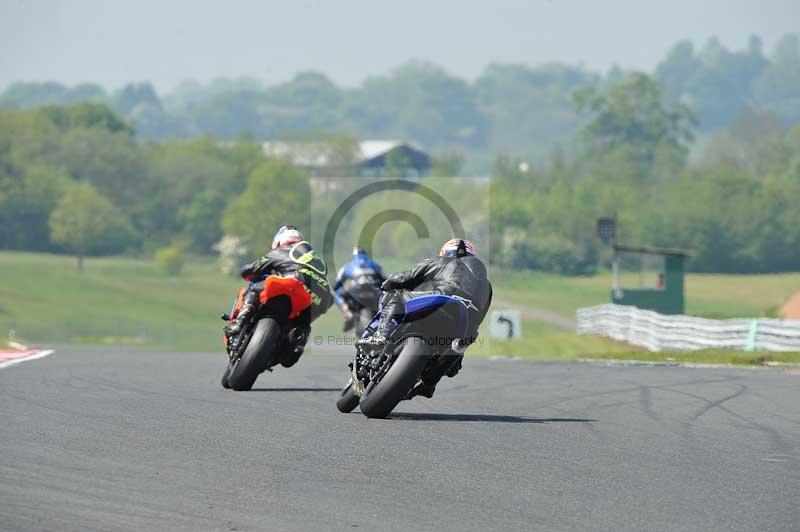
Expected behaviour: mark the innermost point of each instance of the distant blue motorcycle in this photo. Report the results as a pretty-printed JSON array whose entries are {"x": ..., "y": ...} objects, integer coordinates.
[{"x": 430, "y": 336}]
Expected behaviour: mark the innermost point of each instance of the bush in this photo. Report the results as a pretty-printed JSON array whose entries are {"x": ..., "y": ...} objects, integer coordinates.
[
  {"x": 170, "y": 259},
  {"x": 231, "y": 254},
  {"x": 550, "y": 253}
]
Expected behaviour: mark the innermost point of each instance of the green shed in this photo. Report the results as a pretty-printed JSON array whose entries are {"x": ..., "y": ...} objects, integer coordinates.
[{"x": 649, "y": 278}]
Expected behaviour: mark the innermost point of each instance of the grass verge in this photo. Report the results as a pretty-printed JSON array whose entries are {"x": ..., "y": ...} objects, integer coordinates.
[
  {"x": 119, "y": 300},
  {"x": 706, "y": 356},
  {"x": 541, "y": 341},
  {"x": 711, "y": 296}
]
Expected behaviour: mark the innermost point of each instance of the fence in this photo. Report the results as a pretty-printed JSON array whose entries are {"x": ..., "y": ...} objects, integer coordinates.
[{"x": 657, "y": 332}]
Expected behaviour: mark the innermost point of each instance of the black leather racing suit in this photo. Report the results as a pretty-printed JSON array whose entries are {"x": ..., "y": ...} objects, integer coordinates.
[
  {"x": 299, "y": 261},
  {"x": 452, "y": 276}
]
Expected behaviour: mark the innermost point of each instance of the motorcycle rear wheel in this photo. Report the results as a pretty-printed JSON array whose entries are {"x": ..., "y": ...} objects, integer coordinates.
[
  {"x": 380, "y": 399},
  {"x": 256, "y": 357}
]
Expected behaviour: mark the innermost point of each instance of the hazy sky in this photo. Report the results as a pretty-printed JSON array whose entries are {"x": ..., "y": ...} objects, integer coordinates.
[{"x": 167, "y": 41}]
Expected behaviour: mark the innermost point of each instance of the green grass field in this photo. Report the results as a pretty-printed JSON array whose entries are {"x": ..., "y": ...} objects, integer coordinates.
[
  {"x": 43, "y": 298},
  {"x": 117, "y": 300},
  {"x": 711, "y": 296},
  {"x": 547, "y": 342}
]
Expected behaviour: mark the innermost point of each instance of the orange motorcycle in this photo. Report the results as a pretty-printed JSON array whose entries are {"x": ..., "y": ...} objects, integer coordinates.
[{"x": 273, "y": 334}]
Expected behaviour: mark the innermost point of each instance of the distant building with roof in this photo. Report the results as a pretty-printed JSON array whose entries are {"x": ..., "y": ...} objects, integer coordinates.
[{"x": 367, "y": 158}]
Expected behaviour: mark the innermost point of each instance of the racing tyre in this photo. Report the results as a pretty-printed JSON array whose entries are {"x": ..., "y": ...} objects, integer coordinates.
[
  {"x": 256, "y": 356},
  {"x": 380, "y": 399},
  {"x": 347, "y": 400},
  {"x": 226, "y": 375}
]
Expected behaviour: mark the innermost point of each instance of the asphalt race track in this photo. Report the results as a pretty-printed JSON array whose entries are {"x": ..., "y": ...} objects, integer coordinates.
[{"x": 110, "y": 439}]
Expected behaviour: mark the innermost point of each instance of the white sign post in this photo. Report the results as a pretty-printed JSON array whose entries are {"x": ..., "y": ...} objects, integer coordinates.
[{"x": 505, "y": 325}]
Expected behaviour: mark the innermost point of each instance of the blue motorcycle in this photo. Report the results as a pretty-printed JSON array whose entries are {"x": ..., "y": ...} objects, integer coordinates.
[{"x": 431, "y": 336}]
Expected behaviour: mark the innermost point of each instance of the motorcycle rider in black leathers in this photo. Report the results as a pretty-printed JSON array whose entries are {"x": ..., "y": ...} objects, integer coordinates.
[
  {"x": 291, "y": 257},
  {"x": 457, "y": 271}
]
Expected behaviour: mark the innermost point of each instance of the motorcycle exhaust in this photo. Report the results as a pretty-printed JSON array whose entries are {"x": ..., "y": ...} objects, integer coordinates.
[{"x": 459, "y": 346}]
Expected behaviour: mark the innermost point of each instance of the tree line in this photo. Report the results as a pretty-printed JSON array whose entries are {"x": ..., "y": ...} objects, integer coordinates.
[
  {"x": 523, "y": 111},
  {"x": 77, "y": 179},
  {"x": 733, "y": 204}
]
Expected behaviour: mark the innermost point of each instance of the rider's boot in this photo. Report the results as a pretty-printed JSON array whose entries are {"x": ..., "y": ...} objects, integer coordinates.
[
  {"x": 390, "y": 305},
  {"x": 425, "y": 389},
  {"x": 349, "y": 322},
  {"x": 296, "y": 339},
  {"x": 380, "y": 337},
  {"x": 450, "y": 367},
  {"x": 248, "y": 307}
]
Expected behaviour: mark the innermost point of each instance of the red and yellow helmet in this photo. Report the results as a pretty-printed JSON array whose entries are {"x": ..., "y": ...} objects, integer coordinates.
[{"x": 457, "y": 247}]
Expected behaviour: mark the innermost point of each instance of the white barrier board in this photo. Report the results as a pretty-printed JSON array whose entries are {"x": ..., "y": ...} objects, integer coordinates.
[{"x": 658, "y": 332}]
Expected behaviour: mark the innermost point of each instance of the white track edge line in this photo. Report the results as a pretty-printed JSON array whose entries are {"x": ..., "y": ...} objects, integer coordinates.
[{"x": 40, "y": 354}]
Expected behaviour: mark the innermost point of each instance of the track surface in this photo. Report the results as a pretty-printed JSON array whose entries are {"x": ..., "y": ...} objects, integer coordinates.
[{"x": 98, "y": 439}]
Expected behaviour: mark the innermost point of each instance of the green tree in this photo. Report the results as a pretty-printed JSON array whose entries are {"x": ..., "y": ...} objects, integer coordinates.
[
  {"x": 85, "y": 222},
  {"x": 633, "y": 117},
  {"x": 677, "y": 69},
  {"x": 190, "y": 184},
  {"x": 419, "y": 101},
  {"x": 721, "y": 87},
  {"x": 529, "y": 109},
  {"x": 86, "y": 115},
  {"x": 29, "y": 188},
  {"x": 111, "y": 162},
  {"x": 135, "y": 95},
  {"x": 27, "y": 95},
  {"x": 778, "y": 87},
  {"x": 754, "y": 144},
  {"x": 27, "y": 196},
  {"x": 277, "y": 194},
  {"x": 171, "y": 259},
  {"x": 447, "y": 165}
]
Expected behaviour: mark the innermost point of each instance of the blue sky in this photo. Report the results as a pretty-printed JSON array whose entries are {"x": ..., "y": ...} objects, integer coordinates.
[{"x": 113, "y": 42}]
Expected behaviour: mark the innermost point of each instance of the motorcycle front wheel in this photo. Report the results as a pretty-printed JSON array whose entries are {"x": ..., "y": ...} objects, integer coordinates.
[{"x": 348, "y": 400}]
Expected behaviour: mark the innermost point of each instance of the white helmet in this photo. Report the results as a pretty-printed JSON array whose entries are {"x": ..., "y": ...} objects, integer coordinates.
[{"x": 288, "y": 234}]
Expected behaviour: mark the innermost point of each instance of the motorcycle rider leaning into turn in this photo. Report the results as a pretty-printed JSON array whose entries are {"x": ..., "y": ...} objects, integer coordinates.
[
  {"x": 457, "y": 271},
  {"x": 359, "y": 265},
  {"x": 294, "y": 258}
]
